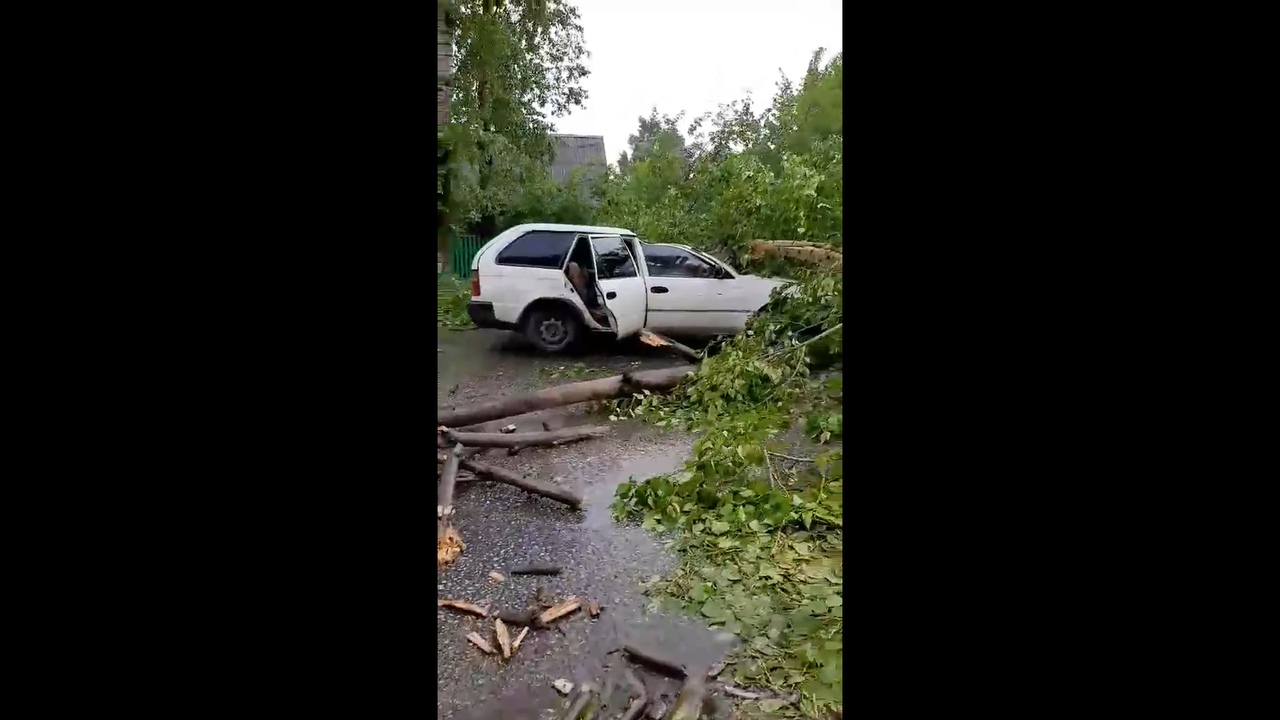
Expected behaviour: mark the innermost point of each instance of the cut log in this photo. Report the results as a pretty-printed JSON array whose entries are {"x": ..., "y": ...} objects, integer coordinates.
[
  {"x": 448, "y": 542},
  {"x": 519, "y": 441},
  {"x": 444, "y": 503},
  {"x": 537, "y": 487},
  {"x": 571, "y": 394}
]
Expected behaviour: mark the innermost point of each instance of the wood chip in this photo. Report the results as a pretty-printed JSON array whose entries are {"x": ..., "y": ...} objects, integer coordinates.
[
  {"x": 497, "y": 576},
  {"x": 504, "y": 638},
  {"x": 519, "y": 638},
  {"x": 449, "y": 546},
  {"x": 556, "y": 612},
  {"x": 594, "y": 609},
  {"x": 464, "y": 606},
  {"x": 480, "y": 643}
]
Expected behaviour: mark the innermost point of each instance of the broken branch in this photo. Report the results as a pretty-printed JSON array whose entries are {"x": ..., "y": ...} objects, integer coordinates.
[
  {"x": 444, "y": 503},
  {"x": 815, "y": 338},
  {"x": 537, "y": 487},
  {"x": 519, "y": 441},
  {"x": 653, "y": 339},
  {"x": 536, "y": 569},
  {"x": 654, "y": 662}
]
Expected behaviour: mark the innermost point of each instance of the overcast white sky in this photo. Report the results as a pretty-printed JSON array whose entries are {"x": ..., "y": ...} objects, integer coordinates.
[{"x": 691, "y": 55}]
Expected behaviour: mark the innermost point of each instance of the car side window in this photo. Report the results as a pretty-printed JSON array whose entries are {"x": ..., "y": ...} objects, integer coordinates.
[
  {"x": 613, "y": 259},
  {"x": 664, "y": 261},
  {"x": 537, "y": 249}
]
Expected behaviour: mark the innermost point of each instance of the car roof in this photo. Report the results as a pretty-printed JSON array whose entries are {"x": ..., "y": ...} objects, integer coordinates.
[
  {"x": 557, "y": 227},
  {"x": 505, "y": 237}
]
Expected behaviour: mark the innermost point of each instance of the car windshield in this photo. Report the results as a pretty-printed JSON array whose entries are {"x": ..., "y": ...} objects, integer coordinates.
[{"x": 732, "y": 269}]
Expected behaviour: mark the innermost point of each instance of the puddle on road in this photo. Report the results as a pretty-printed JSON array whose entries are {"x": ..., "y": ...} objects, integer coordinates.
[{"x": 604, "y": 562}]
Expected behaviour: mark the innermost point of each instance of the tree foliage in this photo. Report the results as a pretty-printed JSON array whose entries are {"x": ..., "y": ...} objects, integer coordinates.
[
  {"x": 517, "y": 61},
  {"x": 738, "y": 175}
]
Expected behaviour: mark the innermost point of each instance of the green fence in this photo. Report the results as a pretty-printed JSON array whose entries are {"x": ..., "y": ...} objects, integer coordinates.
[{"x": 462, "y": 250}]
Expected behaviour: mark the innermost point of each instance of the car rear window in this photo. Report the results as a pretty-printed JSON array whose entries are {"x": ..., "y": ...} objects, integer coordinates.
[{"x": 537, "y": 249}]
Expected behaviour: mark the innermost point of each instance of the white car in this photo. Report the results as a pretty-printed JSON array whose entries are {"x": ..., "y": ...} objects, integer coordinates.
[{"x": 520, "y": 282}]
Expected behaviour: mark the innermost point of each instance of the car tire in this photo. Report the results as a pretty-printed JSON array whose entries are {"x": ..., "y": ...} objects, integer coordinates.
[{"x": 552, "y": 329}]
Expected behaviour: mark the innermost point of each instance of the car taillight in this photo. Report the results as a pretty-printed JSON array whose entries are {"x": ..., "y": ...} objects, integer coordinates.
[{"x": 475, "y": 283}]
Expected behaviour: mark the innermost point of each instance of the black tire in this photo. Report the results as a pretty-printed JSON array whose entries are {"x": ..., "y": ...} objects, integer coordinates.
[{"x": 552, "y": 329}]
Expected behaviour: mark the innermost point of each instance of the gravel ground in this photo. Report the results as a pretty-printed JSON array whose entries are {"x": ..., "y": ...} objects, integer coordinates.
[{"x": 603, "y": 562}]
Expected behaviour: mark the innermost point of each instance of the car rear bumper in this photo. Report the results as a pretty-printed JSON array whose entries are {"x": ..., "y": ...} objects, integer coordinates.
[{"x": 481, "y": 313}]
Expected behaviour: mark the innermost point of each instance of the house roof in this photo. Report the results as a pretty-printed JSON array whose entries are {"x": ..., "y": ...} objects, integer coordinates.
[{"x": 573, "y": 151}]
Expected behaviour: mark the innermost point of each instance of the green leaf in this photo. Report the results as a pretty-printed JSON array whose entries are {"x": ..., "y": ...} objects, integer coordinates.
[
  {"x": 834, "y": 601},
  {"x": 714, "y": 609},
  {"x": 718, "y": 527},
  {"x": 701, "y": 592}
]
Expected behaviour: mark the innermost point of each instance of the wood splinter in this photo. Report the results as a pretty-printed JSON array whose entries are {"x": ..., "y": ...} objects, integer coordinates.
[
  {"x": 515, "y": 644},
  {"x": 480, "y": 643},
  {"x": 463, "y": 606},
  {"x": 556, "y": 612},
  {"x": 504, "y": 638}
]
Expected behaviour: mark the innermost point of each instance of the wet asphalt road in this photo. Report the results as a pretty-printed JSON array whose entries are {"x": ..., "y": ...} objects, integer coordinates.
[{"x": 503, "y": 526}]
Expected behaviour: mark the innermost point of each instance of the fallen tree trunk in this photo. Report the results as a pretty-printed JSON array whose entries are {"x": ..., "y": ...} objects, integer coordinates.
[
  {"x": 798, "y": 250},
  {"x": 603, "y": 389},
  {"x": 537, "y": 487},
  {"x": 519, "y": 441}
]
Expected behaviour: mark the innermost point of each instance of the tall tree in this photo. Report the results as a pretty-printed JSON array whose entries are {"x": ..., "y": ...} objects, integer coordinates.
[{"x": 515, "y": 59}]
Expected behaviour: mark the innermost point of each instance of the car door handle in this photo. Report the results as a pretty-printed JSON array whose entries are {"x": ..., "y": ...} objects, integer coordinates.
[
  {"x": 658, "y": 289},
  {"x": 610, "y": 295}
]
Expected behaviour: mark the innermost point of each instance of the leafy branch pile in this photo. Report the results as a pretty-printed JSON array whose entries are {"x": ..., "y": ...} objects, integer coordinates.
[
  {"x": 452, "y": 297},
  {"x": 760, "y": 530}
]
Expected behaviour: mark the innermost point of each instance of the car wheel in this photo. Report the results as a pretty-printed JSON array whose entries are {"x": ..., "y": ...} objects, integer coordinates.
[{"x": 552, "y": 330}]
